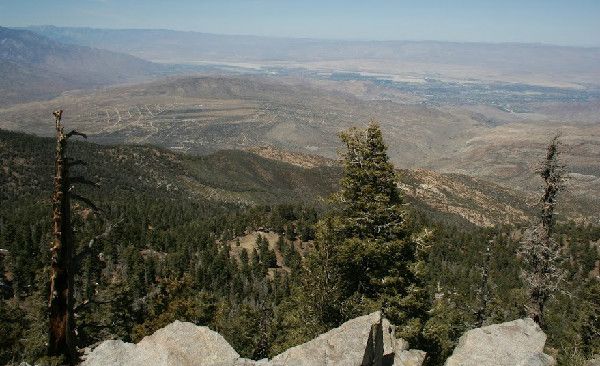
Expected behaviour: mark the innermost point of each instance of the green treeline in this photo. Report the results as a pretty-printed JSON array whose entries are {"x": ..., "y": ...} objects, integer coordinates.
[{"x": 175, "y": 255}]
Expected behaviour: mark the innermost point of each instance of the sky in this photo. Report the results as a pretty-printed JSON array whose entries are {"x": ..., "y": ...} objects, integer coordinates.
[{"x": 563, "y": 22}]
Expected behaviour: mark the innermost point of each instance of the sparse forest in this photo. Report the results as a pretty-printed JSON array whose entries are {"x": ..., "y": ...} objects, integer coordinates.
[{"x": 270, "y": 255}]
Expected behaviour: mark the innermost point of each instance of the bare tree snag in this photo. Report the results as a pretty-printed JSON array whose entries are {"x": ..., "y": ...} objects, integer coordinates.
[
  {"x": 541, "y": 255},
  {"x": 62, "y": 338},
  {"x": 553, "y": 174}
]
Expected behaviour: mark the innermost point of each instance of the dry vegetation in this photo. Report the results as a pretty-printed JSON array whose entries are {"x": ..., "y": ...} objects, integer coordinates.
[{"x": 205, "y": 114}]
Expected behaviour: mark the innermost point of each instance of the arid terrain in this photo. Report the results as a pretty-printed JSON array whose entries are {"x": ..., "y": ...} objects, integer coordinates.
[
  {"x": 200, "y": 115},
  {"x": 476, "y": 113},
  {"x": 262, "y": 175}
]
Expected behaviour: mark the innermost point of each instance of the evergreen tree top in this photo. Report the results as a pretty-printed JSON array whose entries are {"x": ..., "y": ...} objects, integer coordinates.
[{"x": 368, "y": 192}]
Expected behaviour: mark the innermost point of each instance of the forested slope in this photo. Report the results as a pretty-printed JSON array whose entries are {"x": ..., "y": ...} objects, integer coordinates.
[{"x": 177, "y": 219}]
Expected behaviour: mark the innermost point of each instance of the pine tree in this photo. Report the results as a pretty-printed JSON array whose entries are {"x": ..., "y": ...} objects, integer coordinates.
[
  {"x": 540, "y": 252},
  {"x": 369, "y": 195},
  {"x": 483, "y": 292},
  {"x": 321, "y": 282},
  {"x": 315, "y": 304},
  {"x": 381, "y": 262}
]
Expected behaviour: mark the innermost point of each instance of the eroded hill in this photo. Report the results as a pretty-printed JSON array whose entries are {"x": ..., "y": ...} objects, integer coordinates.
[
  {"x": 207, "y": 114},
  {"x": 265, "y": 176}
]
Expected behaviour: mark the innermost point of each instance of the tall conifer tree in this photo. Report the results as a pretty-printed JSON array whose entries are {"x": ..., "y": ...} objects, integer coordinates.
[{"x": 381, "y": 262}]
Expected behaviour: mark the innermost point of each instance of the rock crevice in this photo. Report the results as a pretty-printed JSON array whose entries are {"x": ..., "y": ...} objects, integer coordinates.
[{"x": 368, "y": 340}]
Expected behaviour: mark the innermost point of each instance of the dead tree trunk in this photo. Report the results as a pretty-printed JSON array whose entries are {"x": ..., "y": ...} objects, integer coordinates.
[
  {"x": 540, "y": 254},
  {"x": 62, "y": 326},
  {"x": 553, "y": 174},
  {"x": 64, "y": 261}
]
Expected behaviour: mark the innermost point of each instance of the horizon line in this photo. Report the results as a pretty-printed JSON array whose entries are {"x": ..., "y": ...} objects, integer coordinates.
[{"x": 540, "y": 43}]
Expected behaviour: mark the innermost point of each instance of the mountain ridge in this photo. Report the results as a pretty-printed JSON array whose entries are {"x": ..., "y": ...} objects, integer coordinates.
[
  {"x": 203, "y": 114},
  {"x": 241, "y": 177},
  {"x": 49, "y": 27},
  {"x": 488, "y": 61},
  {"x": 35, "y": 67}
]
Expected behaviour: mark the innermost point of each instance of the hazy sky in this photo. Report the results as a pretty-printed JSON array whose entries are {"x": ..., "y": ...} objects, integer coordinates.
[{"x": 567, "y": 22}]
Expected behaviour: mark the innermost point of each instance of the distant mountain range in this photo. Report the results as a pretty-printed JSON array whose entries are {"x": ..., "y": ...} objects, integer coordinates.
[
  {"x": 34, "y": 67},
  {"x": 505, "y": 61}
]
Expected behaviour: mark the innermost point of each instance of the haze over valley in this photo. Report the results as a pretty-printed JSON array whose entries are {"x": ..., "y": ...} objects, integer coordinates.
[{"x": 489, "y": 127}]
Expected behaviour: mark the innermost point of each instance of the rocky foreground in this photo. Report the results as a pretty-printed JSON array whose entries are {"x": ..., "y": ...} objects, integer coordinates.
[{"x": 367, "y": 340}]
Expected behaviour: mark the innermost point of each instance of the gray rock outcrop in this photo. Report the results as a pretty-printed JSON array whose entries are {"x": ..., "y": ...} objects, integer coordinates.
[
  {"x": 593, "y": 362},
  {"x": 395, "y": 350},
  {"x": 364, "y": 341},
  {"x": 413, "y": 357},
  {"x": 178, "y": 343},
  {"x": 516, "y": 343},
  {"x": 358, "y": 342}
]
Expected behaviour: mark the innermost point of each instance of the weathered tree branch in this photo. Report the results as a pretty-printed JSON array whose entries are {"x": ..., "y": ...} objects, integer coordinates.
[
  {"x": 82, "y": 180},
  {"x": 72, "y": 163},
  {"x": 86, "y": 201},
  {"x": 76, "y": 133},
  {"x": 541, "y": 255}
]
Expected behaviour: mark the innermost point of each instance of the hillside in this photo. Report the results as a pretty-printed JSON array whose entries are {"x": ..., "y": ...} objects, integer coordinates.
[
  {"x": 235, "y": 177},
  {"x": 225, "y": 177},
  {"x": 34, "y": 67},
  {"x": 205, "y": 114},
  {"x": 174, "y": 254},
  {"x": 297, "y": 183}
]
